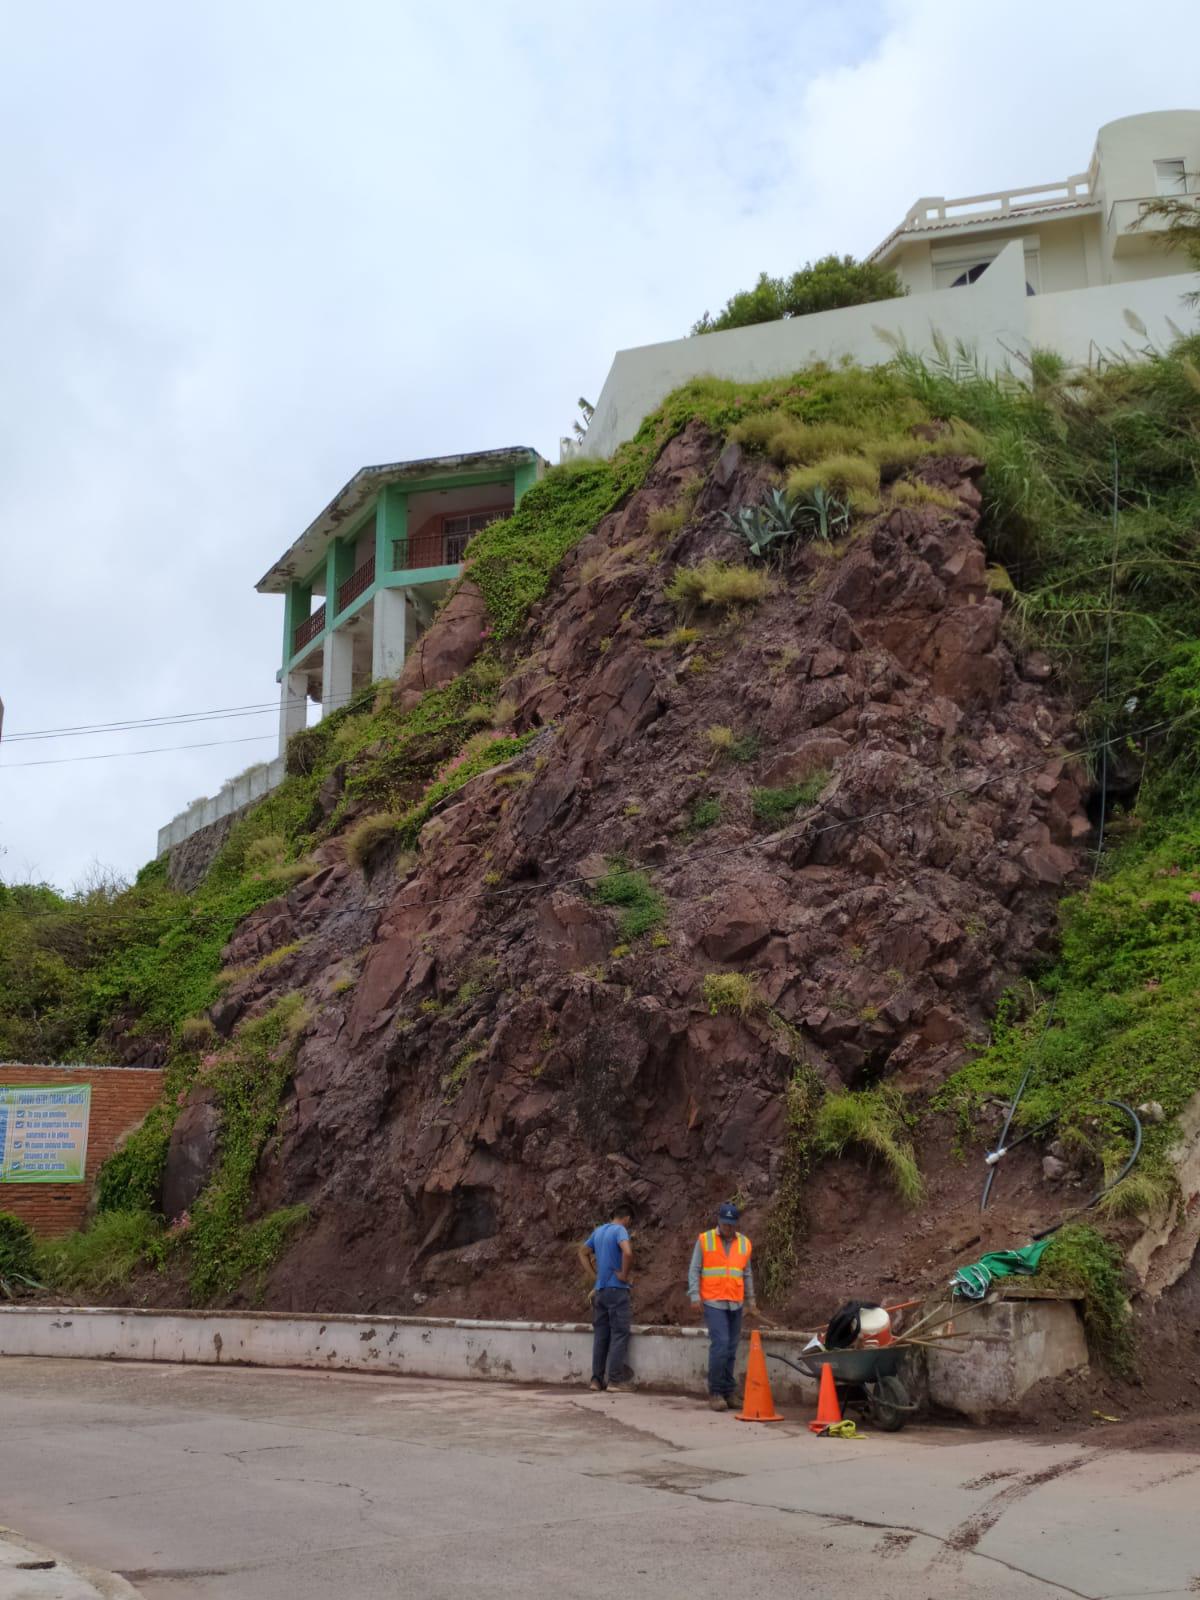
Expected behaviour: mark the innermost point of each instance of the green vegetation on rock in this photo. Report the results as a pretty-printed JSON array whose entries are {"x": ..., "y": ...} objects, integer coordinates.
[
  {"x": 642, "y": 907},
  {"x": 1080, "y": 1261},
  {"x": 872, "y": 1120}
]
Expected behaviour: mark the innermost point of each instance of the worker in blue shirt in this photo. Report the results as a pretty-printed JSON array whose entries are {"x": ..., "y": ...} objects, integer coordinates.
[{"x": 608, "y": 1255}]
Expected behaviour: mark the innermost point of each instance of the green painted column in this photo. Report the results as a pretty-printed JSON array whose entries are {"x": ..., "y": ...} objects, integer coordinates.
[
  {"x": 339, "y": 564},
  {"x": 297, "y": 608},
  {"x": 391, "y": 523},
  {"x": 524, "y": 478}
]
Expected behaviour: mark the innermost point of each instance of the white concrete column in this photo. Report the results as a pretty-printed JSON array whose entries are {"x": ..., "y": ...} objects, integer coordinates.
[
  {"x": 337, "y": 674},
  {"x": 387, "y": 635},
  {"x": 293, "y": 706}
]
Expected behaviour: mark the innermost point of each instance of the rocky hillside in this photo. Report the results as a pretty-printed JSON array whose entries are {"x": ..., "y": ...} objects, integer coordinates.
[
  {"x": 844, "y": 793},
  {"x": 666, "y": 870}
]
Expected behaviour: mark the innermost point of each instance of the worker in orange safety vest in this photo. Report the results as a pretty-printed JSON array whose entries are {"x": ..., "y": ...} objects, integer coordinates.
[{"x": 721, "y": 1285}]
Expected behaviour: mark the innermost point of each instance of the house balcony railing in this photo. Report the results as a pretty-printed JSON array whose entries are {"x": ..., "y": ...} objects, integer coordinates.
[
  {"x": 934, "y": 209},
  {"x": 308, "y": 630},
  {"x": 429, "y": 550},
  {"x": 357, "y": 583}
]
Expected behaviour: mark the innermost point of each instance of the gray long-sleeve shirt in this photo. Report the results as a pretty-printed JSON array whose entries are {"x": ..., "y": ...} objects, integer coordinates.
[{"x": 694, "y": 1284}]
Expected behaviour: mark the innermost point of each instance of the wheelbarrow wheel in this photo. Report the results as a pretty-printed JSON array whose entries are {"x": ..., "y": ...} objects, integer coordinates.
[{"x": 889, "y": 1404}]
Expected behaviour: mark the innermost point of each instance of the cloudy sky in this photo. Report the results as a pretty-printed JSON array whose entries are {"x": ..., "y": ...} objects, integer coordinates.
[{"x": 252, "y": 245}]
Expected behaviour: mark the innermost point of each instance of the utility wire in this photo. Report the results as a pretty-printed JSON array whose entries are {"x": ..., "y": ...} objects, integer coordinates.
[
  {"x": 113, "y": 755},
  {"x": 167, "y": 719}
]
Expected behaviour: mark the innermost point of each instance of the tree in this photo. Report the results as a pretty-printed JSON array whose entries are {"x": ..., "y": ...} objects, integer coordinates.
[
  {"x": 1180, "y": 230},
  {"x": 824, "y": 285}
]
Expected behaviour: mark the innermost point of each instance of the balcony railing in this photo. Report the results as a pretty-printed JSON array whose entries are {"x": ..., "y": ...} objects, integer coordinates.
[
  {"x": 357, "y": 583},
  {"x": 429, "y": 550},
  {"x": 308, "y": 630},
  {"x": 1000, "y": 203}
]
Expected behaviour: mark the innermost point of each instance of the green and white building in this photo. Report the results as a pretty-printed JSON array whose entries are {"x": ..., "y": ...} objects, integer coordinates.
[
  {"x": 361, "y": 585},
  {"x": 362, "y": 581}
]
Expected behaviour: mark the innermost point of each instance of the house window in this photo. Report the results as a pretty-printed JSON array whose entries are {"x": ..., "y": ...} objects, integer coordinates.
[
  {"x": 1170, "y": 177},
  {"x": 957, "y": 274},
  {"x": 470, "y": 522}
]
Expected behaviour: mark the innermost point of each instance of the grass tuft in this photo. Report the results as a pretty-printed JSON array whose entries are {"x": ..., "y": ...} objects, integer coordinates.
[
  {"x": 717, "y": 584},
  {"x": 776, "y": 805},
  {"x": 642, "y": 907},
  {"x": 872, "y": 1119},
  {"x": 733, "y": 992},
  {"x": 912, "y": 492},
  {"x": 835, "y": 474}
]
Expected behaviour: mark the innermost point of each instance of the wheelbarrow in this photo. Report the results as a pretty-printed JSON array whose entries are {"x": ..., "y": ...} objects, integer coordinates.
[{"x": 866, "y": 1380}]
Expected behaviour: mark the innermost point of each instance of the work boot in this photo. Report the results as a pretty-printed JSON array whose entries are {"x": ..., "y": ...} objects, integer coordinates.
[
  {"x": 716, "y": 1402},
  {"x": 596, "y": 1386},
  {"x": 731, "y": 1404}
]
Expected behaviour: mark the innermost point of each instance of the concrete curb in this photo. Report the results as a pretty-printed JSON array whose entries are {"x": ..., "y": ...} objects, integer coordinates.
[{"x": 30, "y": 1572}]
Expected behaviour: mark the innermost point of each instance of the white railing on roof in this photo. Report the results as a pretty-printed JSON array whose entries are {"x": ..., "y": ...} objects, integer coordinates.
[{"x": 1001, "y": 203}]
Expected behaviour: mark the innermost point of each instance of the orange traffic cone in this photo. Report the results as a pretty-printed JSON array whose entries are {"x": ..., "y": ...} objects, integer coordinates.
[
  {"x": 828, "y": 1409},
  {"x": 757, "y": 1404}
]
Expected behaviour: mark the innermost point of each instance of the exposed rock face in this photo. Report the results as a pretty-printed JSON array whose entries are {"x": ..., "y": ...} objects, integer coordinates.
[
  {"x": 499, "y": 1070},
  {"x": 447, "y": 648}
]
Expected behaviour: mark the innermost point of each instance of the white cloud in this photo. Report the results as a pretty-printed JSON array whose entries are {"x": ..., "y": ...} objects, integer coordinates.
[{"x": 253, "y": 246}]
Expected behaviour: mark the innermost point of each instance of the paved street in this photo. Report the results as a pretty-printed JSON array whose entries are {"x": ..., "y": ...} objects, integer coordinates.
[{"x": 253, "y": 1485}]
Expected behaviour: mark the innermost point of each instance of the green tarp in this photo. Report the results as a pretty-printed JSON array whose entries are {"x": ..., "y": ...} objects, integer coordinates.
[{"x": 973, "y": 1282}]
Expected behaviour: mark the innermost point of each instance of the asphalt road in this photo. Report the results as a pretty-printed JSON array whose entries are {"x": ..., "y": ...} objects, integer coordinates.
[{"x": 253, "y": 1485}]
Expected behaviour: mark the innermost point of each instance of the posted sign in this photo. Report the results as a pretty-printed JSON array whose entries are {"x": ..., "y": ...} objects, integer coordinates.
[{"x": 43, "y": 1133}]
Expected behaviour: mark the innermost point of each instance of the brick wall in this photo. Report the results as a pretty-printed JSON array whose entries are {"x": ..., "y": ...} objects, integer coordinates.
[{"x": 121, "y": 1097}]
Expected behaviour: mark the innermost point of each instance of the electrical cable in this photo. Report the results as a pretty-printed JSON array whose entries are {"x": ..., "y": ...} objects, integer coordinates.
[
  {"x": 994, "y": 1156},
  {"x": 153, "y": 750},
  {"x": 167, "y": 719}
]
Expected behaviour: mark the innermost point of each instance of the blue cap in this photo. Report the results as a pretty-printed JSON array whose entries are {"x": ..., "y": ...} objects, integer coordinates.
[{"x": 728, "y": 1212}]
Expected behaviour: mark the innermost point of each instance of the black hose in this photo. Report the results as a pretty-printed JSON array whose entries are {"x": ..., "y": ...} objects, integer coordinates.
[{"x": 1119, "y": 1105}]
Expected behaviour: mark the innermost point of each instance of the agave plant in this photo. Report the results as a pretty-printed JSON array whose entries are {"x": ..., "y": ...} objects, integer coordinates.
[
  {"x": 778, "y": 519},
  {"x": 824, "y": 514}
]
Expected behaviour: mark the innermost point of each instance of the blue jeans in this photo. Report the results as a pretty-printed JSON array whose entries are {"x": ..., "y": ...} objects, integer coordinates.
[
  {"x": 724, "y": 1331},
  {"x": 612, "y": 1314}
]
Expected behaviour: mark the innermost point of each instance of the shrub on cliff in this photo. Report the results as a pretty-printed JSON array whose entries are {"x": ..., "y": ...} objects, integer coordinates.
[{"x": 824, "y": 285}]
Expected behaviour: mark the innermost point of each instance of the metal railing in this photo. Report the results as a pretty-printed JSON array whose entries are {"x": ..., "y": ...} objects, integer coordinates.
[
  {"x": 429, "y": 550},
  {"x": 357, "y": 583},
  {"x": 309, "y": 629}
]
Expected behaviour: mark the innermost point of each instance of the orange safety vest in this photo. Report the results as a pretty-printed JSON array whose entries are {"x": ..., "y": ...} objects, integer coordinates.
[{"x": 723, "y": 1266}]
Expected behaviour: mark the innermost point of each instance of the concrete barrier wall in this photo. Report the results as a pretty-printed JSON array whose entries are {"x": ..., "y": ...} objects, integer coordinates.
[
  {"x": 232, "y": 796},
  {"x": 671, "y": 1359},
  {"x": 1091, "y": 326},
  {"x": 994, "y": 317}
]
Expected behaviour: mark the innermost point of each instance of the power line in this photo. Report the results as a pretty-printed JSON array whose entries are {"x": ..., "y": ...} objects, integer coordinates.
[
  {"x": 110, "y": 755},
  {"x": 167, "y": 719}
]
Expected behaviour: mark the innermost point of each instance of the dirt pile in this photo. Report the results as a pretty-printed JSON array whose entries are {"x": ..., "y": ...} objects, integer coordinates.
[{"x": 850, "y": 793}]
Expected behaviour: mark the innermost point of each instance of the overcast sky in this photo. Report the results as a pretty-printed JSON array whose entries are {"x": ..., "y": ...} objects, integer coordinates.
[{"x": 250, "y": 247}]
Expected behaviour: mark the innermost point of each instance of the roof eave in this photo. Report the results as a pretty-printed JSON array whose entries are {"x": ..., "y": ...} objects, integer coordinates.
[
  {"x": 972, "y": 227},
  {"x": 355, "y": 495}
]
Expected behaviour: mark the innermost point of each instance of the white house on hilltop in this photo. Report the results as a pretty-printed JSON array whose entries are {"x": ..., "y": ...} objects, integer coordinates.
[
  {"x": 1076, "y": 234},
  {"x": 1065, "y": 267}
]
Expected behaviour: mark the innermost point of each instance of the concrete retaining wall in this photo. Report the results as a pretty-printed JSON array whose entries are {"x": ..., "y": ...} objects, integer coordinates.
[
  {"x": 248, "y": 786},
  {"x": 1021, "y": 1342},
  {"x": 1027, "y": 1340},
  {"x": 673, "y": 1359},
  {"x": 994, "y": 317}
]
